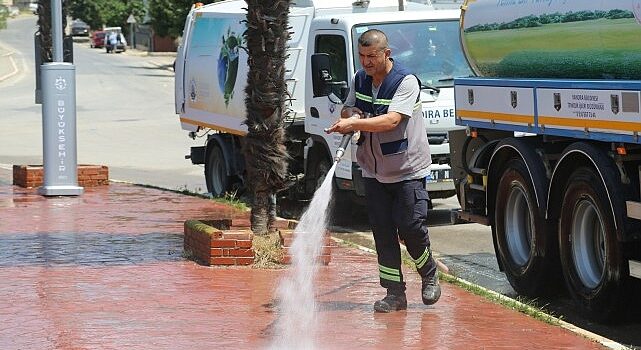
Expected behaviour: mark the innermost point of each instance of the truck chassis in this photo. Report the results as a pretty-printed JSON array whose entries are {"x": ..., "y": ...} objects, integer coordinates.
[{"x": 553, "y": 167}]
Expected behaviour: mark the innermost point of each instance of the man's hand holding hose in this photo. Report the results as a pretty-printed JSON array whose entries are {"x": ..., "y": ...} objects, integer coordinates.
[{"x": 346, "y": 124}]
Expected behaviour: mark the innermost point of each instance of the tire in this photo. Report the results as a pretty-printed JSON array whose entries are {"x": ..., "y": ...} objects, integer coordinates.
[
  {"x": 218, "y": 182},
  {"x": 317, "y": 169},
  {"x": 525, "y": 243},
  {"x": 591, "y": 256}
]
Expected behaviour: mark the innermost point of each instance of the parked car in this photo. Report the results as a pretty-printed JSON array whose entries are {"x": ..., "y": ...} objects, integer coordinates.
[
  {"x": 14, "y": 11},
  {"x": 79, "y": 28},
  {"x": 33, "y": 7},
  {"x": 97, "y": 39}
]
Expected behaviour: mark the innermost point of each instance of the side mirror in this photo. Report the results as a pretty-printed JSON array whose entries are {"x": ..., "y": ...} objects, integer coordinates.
[{"x": 321, "y": 74}]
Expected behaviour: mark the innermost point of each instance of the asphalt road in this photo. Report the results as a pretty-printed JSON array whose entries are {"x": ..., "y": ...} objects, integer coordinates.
[
  {"x": 126, "y": 120},
  {"x": 125, "y": 114}
]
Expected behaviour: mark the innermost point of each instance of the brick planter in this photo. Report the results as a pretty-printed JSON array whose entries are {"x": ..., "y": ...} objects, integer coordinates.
[
  {"x": 229, "y": 242},
  {"x": 287, "y": 238},
  {"x": 219, "y": 242},
  {"x": 30, "y": 176}
]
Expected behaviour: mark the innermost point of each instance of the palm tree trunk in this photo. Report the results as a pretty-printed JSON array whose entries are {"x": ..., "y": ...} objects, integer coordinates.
[
  {"x": 44, "y": 28},
  {"x": 266, "y": 92}
]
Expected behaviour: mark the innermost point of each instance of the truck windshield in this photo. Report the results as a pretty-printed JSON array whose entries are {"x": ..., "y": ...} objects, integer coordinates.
[{"x": 431, "y": 50}]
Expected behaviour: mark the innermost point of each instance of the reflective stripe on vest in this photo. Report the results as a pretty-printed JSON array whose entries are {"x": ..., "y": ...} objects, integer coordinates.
[{"x": 369, "y": 99}]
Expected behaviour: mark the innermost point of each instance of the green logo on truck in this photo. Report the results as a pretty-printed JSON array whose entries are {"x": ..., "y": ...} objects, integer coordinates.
[{"x": 228, "y": 64}]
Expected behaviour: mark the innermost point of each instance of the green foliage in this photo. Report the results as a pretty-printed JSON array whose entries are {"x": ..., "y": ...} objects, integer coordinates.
[
  {"x": 4, "y": 13},
  {"x": 168, "y": 16},
  {"x": 232, "y": 199},
  {"x": 110, "y": 13},
  {"x": 88, "y": 11},
  {"x": 537, "y": 21}
]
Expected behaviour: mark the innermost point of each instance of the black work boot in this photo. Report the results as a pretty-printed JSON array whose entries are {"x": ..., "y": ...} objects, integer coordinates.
[
  {"x": 391, "y": 302},
  {"x": 431, "y": 290}
]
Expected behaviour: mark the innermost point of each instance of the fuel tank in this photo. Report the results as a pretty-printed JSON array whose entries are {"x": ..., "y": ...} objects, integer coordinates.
[{"x": 575, "y": 39}]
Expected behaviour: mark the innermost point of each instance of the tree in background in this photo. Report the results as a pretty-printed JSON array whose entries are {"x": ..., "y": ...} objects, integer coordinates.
[
  {"x": 168, "y": 16},
  {"x": 110, "y": 13},
  {"x": 88, "y": 11},
  {"x": 266, "y": 92},
  {"x": 116, "y": 12}
]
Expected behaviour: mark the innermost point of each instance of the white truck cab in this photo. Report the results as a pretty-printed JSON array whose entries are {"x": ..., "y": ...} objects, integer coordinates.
[{"x": 211, "y": 74}]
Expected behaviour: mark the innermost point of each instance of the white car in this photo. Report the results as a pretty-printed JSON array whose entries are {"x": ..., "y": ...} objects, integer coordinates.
[
  {"x": 33, "y": 6},
  {"x": 14, "y": 11}
]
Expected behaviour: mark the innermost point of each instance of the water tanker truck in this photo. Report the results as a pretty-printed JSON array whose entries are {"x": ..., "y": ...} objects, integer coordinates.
[
  {"x": 211, "y": 73},
  {"x": 551, "y": 154}
]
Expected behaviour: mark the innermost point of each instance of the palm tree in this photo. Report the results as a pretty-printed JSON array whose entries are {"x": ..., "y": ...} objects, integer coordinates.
[
  {"x": 44, "y": 33},
  {"x": 266, "y": 92}
]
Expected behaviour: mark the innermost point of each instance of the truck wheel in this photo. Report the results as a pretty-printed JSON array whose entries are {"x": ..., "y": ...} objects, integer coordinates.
[
  {"x": 317, "y": 169},
  {"x": 524, "y": 247},
  {"x": 341, "y": 204},
  {"x": 216, "y": 173},
  {"x": 591, "y": 256}
]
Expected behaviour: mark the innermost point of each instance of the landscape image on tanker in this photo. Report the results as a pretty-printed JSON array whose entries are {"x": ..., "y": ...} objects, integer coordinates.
[{"x": 554, "y": 39}]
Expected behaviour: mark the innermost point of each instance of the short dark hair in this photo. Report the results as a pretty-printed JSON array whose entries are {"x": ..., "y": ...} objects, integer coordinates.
[{"x": 373, "y": 37}]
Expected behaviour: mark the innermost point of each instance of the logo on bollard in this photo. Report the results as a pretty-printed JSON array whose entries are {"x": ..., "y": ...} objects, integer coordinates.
[{"x": 61, "y": 83}]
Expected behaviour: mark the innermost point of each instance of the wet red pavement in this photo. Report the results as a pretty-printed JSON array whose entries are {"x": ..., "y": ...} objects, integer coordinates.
[{"x": 104, "y": 271}]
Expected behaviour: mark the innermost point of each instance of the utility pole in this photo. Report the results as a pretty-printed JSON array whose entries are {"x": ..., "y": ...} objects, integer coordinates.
[
  {"x": 132, "y": 21},
  {"x": 59, "y": 117}
]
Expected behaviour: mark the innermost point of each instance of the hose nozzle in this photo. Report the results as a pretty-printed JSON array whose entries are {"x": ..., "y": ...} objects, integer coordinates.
[{"x": 341, "y": 148}]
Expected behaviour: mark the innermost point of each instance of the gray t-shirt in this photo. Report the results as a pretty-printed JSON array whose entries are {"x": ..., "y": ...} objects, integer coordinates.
[
  {"x": 403, "y": 102},
  {"x": 404, "y": 98}
]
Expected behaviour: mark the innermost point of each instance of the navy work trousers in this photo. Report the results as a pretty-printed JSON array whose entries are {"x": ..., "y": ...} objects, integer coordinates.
[{"x": 399, "y": 210}]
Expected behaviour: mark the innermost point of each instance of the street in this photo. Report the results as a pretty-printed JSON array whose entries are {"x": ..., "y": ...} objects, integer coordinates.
[
  {"x": 126, "y": 120},
  {"x": 125, "y": 115}
]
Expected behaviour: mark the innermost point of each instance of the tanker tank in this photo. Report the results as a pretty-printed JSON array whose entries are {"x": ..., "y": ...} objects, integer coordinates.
[{"x": 571, "y": 39}]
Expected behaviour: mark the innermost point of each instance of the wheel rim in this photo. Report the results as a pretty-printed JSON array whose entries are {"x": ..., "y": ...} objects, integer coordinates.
[
  {"x": 218, "y": 175},
  {"x": 588, "y": 243},
  {"x": 518, "y": 229}
]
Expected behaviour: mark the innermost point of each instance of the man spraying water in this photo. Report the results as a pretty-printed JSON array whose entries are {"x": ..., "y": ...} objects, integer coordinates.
[{"x": 384, "y": 105}]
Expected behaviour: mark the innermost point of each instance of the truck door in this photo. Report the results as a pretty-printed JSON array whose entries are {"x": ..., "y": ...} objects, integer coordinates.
[
  {"x": 324, "y": 111},
  {"x": 179, "y": 67}
]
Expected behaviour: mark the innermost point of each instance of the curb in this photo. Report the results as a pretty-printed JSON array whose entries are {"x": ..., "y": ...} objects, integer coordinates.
[{"x": 607, "y": 343}]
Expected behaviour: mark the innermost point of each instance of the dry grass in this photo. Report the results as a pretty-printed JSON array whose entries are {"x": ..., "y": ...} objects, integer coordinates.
[{"x": 267, "y": 251}]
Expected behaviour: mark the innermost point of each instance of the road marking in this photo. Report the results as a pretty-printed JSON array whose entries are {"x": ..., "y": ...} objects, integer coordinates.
[{"x": 13, "y": 64}]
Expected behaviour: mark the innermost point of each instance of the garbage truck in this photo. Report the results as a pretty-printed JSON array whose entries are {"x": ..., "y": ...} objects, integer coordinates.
[
  {"x": 550, "y": 156},
  {"x": 211, "y": 71}
]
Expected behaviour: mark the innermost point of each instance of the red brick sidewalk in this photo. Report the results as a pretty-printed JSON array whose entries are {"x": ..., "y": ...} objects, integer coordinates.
[{"x": 104, "y": 271}]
